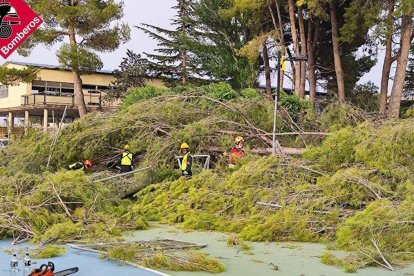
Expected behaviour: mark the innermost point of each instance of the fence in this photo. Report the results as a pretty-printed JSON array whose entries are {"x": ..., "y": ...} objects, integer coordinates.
[{"x": 94, "y": 99}]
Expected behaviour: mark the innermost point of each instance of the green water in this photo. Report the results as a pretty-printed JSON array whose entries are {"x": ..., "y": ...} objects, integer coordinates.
[{"x": 291, "y": 258}]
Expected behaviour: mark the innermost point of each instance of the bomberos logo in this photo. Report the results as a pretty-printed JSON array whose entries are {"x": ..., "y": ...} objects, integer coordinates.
[{"x": 17, "y": 22}]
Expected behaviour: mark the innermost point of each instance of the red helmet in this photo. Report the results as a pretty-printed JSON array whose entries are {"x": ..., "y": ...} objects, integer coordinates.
[{"x": 88, "y": 163}]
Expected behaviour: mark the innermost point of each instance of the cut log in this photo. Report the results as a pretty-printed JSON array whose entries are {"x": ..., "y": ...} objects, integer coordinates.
[{"x": 264, "y": 151}]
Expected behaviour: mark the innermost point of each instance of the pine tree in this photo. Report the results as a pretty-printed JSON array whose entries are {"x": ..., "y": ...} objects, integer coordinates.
[
  {"x": 173, "y": 59},
  {"x": 13, "y": 76},
  {"x": 219, "y": 35},
  {"x": 89, "y": 25},
  {"x": 131, "y": 73},
  {"x": 409, "y": 80}
]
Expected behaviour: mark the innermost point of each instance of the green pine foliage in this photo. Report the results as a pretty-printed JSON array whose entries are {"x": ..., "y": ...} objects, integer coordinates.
[
  {"x": 173, "y": 60},
  {"x": 89, "y": 26},
  {"x": 138, "y": 94},
  {"x": 355, "y": 188},
  {"x": 185, "y": 260},
  {"x": 409, "y": 79},
  {"x": 47, "y": 252},
  {"x": 13, "y": 76},
  {"x": 203, "y": 45},
  {"x": 130, "y": 74},
  {"x": 60, "y": 207}
]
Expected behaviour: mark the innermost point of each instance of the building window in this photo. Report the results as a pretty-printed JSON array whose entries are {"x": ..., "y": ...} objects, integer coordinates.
[
  {"x": 52, "y": 88},
  {"x": 94, "y": 88},
  {"x": 62, "y": 88},
  {"x": 4, "y": 91}
]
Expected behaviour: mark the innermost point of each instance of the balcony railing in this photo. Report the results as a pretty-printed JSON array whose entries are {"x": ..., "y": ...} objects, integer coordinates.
[{"x": 91, "y": 99}]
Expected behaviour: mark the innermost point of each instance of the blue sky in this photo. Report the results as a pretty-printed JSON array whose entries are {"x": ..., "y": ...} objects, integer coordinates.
[{"x": 155, "y": 12}]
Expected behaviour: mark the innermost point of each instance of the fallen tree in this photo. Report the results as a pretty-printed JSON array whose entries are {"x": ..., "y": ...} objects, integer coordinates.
[
  {"x": 313, "y": 197},
  {"x": 356, "y": 190}
]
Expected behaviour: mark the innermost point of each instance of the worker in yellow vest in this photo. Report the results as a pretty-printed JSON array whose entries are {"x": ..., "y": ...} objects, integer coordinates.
[
  {"x": 187, "y": 161},
  {"x": 126, "y": 160}
]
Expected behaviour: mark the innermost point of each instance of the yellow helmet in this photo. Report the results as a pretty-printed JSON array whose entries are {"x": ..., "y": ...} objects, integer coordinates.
[
  {"x": 184, "y": 146},
  {"x": 239, "y": 139},
  {"x": 126, "y": 147}
]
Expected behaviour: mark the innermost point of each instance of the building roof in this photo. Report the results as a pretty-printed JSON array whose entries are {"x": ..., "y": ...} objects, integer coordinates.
[
  {"x": 290, "y": 90},
  {"x": 52, "y": 67}
]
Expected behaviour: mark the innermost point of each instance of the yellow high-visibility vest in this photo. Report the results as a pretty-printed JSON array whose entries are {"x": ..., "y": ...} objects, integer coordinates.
[
  {"x": 126, "y": 159},
  {"x": 77, "y": 164},
  {"x": 283, "y": 64},
  {"x": 184, "y": 163}
]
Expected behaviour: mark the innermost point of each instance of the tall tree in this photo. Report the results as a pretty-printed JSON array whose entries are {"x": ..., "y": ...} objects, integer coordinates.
[
  {"x": 303, "y": 52},
  {"x": 87, "y": 26},
  {"x": 336, "y": 50},
  {"x": 313, "y": 37},
  {"x": 388, "y": 58},
  {"x": 173, "y": 59},
  {"x": 295, "y": 41},
  {"x": 337, "y": 45},
  {"x": 131, "y": 73},
  {"x": 222, "y": 29},
  {"x": 377, "y": 16},
  {"x": 267, "y": 69},
  {"x": 407, "y": 10},
  {"x": 409, "y": 79}
]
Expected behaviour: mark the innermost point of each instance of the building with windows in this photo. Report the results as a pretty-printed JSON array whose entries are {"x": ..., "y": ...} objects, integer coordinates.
[{"x": 43, "y": 101}]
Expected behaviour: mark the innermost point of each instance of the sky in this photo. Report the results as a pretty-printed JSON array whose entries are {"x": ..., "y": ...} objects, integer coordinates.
[{"x": 154, "y": 12}]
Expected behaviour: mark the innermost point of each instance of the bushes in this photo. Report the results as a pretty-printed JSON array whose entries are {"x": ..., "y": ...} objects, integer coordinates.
[
  {"x": 249, "y": 93},
  {"x": 138, "y": 94},
  {"x": 46, "y": 252},
  {"x": 222, "y": 91},
  {"x": 228, "y": 202},
  {"x": 293, "y": 104}
]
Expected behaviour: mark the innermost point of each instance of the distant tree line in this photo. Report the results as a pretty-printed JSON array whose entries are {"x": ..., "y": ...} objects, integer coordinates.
[{"x": 237, "y": 40}]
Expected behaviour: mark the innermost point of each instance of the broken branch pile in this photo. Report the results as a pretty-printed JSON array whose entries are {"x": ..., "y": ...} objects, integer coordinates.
[
  {"x": 61, "y": 207},
  {"x": 165, "y": 254},
  {"x": 325, "y": 196},
  {"x": 355, "y": 189}
]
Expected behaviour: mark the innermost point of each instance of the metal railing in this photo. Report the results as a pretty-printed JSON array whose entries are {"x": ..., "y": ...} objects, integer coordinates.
[
  {"x": 201, "y": 156},
  {"x": 91, "y": 99}
]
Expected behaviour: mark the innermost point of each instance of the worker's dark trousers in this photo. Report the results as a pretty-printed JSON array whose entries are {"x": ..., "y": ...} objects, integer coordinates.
[
  {"x": 188, "y": 176},
  {"x": 125, "y": 169}
]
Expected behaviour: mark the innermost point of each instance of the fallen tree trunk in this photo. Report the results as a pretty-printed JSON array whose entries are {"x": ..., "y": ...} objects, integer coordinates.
[
  {"x": 264, "y": 151},
  {"x": 230, "y": 132}
]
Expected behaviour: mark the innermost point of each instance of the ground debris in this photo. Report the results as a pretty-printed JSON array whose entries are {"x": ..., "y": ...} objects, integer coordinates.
[{"x": 166, "y": 254}]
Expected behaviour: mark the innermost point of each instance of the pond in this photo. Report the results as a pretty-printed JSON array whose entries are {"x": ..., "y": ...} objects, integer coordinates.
[
  {"x": 296, "y": 259},
  {"x": 292, "y": 259},
  {"x": 89, "y": 264}
]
